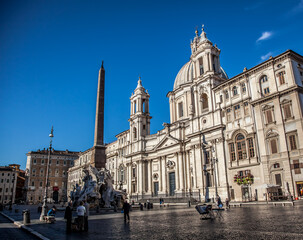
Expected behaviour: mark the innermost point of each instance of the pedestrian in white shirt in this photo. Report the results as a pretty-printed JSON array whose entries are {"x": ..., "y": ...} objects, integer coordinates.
[{"x": 81, "y": 212}]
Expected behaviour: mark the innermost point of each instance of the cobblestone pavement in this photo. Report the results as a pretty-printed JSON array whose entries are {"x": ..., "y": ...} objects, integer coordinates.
[
  {"x": 248, "y": 222},
  {"x": 10, "y": 231}
]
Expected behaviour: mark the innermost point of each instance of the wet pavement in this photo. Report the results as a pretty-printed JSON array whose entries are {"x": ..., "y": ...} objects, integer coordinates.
[{"x": 246, "y": 222}]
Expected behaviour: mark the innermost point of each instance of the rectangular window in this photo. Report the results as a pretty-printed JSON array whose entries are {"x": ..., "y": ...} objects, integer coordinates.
[
  {"x": 266, "y": 90},
  {"x": 278, "y": 179},
  {"x": 292, "y": 142},
  {"x": 134, "y": 172},
  {"x": 246, "y": 108},
  {"x": 241, "y": 149},
  {"x": 226, "y": 94},
  {"x": 251, "y": 149},
  {"x": 273, "y": 146},
  {"x": 243, "y": 88},
  {"x": 237, "y": 111},
  {"x": 206, "y": 155},
  {"x": 268, "y": 116},
  {"x": 281, "y": 77},
  {"x": 296, "y": 167},
  {"x": 228, "y": 115},
  {"x": 232, "y": 152},
  {"x": 287, "y": 111},
  {"x": 180, "y": 109}
]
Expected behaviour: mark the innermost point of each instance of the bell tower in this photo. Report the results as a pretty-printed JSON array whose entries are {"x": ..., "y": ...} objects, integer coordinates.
[
  {"x": 205, "y": 55},
  {"x": 139, "y": 121}
]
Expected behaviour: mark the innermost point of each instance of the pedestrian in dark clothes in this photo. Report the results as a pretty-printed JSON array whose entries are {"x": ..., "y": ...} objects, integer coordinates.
[
  {"x": 126, "y": 208},
  {"x": 86, "y": 215},
  {"x": 68, "y": 216}
]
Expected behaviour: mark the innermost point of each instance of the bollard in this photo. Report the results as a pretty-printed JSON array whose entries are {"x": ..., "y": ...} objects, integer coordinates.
[
  {"x": 189, "y": 203},
  {"x": 26, "y": 217}
]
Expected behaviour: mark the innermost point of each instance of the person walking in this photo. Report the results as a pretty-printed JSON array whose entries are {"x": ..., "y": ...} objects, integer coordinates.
[
  {"x": 219, "y": 202},
  {"x": 68, "y": 216},
  {"x": 227, "y": 203},
  {"x": 126, "y": 208},
  {"x": 80, "y": 214},
  {"x": 86, "y": 205}
]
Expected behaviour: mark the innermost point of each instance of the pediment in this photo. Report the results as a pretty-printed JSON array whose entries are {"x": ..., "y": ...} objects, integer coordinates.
[{"x": 166, "y": 142}]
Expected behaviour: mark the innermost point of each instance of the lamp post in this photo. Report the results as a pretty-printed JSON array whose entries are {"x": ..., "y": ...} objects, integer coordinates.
[
  {"x": 214, "y": 160},
  {"x": 44, "y": 206}
]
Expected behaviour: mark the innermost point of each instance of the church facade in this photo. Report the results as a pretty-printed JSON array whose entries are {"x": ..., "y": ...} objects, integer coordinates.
[{"x": 239, "y": 138}]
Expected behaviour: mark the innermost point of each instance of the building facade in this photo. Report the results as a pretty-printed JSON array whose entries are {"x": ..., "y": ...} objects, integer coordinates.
[
  {"x": 8, "y": 183},
  {"x": 36, "y": 167},
  {"x": 239, "y": 138}
]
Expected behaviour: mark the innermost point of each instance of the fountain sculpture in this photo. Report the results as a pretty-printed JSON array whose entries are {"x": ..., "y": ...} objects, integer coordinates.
[{"x": 97, "y": 189}]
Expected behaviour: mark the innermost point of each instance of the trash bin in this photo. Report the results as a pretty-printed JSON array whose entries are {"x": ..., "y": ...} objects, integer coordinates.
[{"x": 26, "y": 217}]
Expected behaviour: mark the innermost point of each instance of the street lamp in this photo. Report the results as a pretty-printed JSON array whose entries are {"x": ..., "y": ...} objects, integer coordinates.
[
  {"x": 214, "y": 160},
  {"x": 44, "y": 206}
]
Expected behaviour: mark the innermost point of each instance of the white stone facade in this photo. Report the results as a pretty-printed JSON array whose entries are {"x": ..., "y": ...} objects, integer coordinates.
[{"x": 248, "y": 127}]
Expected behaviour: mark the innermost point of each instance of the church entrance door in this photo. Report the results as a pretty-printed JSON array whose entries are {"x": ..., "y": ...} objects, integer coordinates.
[
  {"x": 172, "y": 184},
  {"x": 55, "y": 196},
  {"x": 156, "y": 188}
]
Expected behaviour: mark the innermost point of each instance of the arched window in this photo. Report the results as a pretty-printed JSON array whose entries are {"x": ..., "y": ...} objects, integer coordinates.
[
  {"x": 241, "y": 146},
  {"x": 226, "y": 94},
  {"x": 264, "y": 85},
  {"x": 180, "y": 109},
  {"x": 135, "y": 106},
  {"x": 134, "y": 171},
  {"x": 201, "y": 66},
  {"x": 135, "y": 132},
  {"x": 204, "y": 100},
  {"x": 235, "y": 91}
]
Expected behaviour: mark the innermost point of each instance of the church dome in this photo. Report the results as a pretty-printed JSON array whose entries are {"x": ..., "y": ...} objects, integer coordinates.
[{"x": 185, "y": 75}]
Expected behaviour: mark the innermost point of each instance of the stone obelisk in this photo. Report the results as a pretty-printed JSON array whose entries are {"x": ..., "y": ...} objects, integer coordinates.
[{"x": 98, "y": 154}]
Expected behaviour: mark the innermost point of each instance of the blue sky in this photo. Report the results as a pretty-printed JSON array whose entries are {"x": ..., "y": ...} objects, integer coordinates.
[{"x": 51, "y": 52}]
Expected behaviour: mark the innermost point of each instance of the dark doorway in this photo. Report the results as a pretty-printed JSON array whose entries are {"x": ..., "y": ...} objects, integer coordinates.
[
  {"x": 172, "y": 184},
  {"x": 246, "y": 193},
  {"x": 156, "y": 188},
  {"x": 55, "y": 196}
]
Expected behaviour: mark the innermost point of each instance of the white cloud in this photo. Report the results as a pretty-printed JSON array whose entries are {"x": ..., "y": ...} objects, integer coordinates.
[
  {"x": 266, "y": 56},
  {"x": 264, "y": 36}
]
